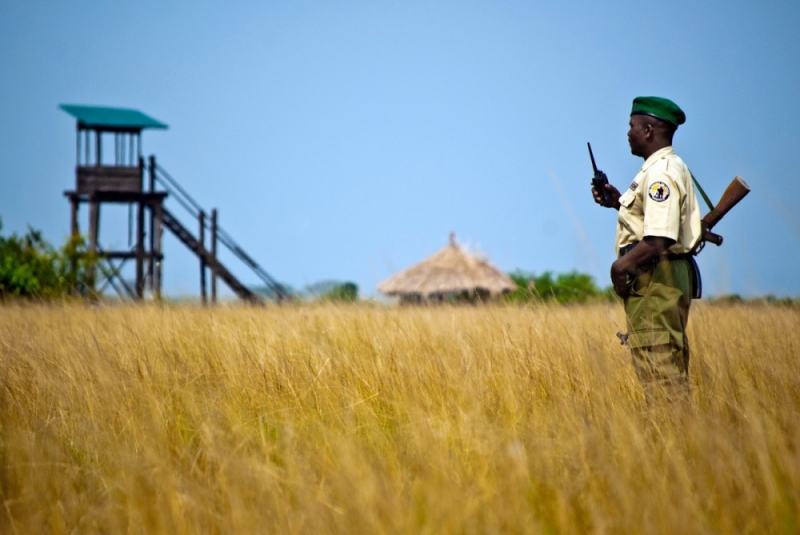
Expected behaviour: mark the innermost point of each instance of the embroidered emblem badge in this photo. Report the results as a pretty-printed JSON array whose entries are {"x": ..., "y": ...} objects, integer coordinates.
[
  {"x": 659, "y": 191},
  {"x": 634, "y": 185}
]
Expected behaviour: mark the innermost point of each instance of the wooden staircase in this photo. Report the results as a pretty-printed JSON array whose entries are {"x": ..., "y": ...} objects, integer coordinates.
[
  {"x": 213, "y": 263},
  {"x": 218, "y": 235}
]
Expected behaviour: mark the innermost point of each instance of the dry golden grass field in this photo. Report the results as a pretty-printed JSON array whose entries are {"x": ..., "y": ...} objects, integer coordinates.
[{"x": 361, "y": 419}]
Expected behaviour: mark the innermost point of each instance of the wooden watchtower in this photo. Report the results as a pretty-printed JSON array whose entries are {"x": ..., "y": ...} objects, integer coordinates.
[{"x": 98, "y": 182}]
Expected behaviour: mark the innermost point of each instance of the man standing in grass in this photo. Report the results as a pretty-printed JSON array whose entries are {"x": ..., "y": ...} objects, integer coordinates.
[{"x": 658, "y": 226}]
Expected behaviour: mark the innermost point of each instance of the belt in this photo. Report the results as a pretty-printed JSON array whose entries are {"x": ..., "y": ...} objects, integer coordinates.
[
  {"x": 697, "y": 281},
  {"x": 669, "y": 256}
]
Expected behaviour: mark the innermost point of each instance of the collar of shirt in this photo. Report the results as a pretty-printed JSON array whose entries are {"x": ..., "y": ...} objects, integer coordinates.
[{"x": 657, "y": 155}]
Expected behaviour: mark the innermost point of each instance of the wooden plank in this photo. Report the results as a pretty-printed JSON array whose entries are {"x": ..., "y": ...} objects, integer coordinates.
[
  {"x": 118, "y": 196},
  {"x": 90, "y": 179},
  {"x": 129, "y": 255}
]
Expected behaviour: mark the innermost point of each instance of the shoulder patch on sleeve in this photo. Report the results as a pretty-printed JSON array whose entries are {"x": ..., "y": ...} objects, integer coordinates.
[{"x": 659, "y": 191}]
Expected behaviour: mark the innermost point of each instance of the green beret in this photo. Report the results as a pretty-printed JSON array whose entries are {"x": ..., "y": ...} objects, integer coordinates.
[{"x": 660, "y": 108}]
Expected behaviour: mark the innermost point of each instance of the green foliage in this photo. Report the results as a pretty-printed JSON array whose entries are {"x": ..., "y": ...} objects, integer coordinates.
[
  {"x": 780, "y": 301},
  {"x": 731, "y": 299},
  {"x": 769, "y": 299},
  {"x": 347, "y": 291},
  {"x": 572, "y": 287},
  {"x": 31, "y": 267},
  {"x": 269, "y": 293}
]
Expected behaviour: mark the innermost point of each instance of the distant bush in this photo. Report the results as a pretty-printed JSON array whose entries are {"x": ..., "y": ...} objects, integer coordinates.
[
  {"x": 780, "y": 301},
  {"x": 31, "y": 267},
  {"x": 730, "y": 299},
  {"x": 330, "y": 290},
  {"x": 347, "y": 291},
  {"x": 326, "y": 290},
  {"x": 269, "y": 293},
  {"x": 769, "y": 299},
  {"x": 572, "y": 287}
]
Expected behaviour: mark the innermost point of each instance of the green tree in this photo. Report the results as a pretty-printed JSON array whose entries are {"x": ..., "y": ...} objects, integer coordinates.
[
  {"x": 31, "y": 267},
  {"x": 572, "y": 287},
  {"x": 525, "y": 290},
  {"x": 347, "y": 291}
]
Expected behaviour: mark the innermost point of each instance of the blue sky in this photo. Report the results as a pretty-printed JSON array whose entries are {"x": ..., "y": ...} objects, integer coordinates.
[{"x": 345, "y": 140}]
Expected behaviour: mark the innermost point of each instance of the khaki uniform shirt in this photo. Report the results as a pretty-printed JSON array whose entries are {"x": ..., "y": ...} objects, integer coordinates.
[{"x": 660, "y": 202}]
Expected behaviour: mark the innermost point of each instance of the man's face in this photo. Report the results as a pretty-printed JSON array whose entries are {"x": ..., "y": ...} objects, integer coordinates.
[{"x": 637, "y": 135}]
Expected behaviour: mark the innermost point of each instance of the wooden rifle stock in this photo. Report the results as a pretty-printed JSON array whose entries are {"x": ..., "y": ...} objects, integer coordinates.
[{"x": 735, "y": 192}]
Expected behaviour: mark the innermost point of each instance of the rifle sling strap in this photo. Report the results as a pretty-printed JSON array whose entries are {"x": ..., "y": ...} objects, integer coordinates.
[{"x": 704, "y": 196}]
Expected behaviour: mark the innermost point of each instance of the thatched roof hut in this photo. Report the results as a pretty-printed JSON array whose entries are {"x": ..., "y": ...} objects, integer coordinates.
[{"x": 451, "y": 273}]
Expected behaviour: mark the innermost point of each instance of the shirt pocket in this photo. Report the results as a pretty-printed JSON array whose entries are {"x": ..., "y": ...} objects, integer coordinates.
[{"x": 627, "y": 198}]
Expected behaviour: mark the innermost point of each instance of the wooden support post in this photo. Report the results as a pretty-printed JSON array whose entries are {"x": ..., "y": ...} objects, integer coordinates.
[
  {"x": 94, "y": 231},
  {"x": 98, "y": 148},
  {"x": 139, "y": 250},
  {"x": 152, "y": 262},
  {"x": 201, "y": 235},
  {"x": 152, "y": 172},
  {"x": 74, "y": 228},
  {"x": 157, "y": 250},
  {"x": 151, "y": 259},
  {"x": 214, "y": 254}
]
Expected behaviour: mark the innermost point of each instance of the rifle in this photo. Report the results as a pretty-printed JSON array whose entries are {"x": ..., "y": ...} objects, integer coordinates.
[
  {"x": 735, "y": 192},
  {"x": 600, "y": 180}
]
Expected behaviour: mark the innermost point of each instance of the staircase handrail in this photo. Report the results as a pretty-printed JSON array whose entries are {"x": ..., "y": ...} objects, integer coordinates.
[
  {"x": 168, "y": 182},
  {"x": 226, "y": 240},
  {"x": 194, "y": 209}
]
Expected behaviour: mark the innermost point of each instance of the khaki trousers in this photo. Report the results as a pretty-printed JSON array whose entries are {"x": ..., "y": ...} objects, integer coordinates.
[{"x": 657, "y": 312}]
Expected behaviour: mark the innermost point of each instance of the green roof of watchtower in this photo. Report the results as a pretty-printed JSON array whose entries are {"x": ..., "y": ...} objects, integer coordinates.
[{"x": 102, "y": 118}]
